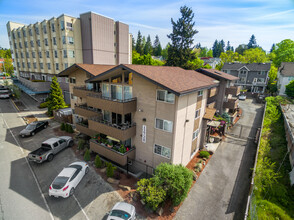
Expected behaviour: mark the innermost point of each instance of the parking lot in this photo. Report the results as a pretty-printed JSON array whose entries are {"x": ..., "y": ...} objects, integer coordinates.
[{"x": 26, "y": 184}]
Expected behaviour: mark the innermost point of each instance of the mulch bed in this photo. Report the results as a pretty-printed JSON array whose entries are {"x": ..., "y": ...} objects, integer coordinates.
[
  {"x": 238, "y": 116},
  {"x": 169, "y": 211},
  {"x": 19, "y": 105},
  {"x": 29, "y": 119}
]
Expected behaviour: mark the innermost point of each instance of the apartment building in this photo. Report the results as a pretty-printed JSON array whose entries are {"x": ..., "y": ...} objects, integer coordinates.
[
  {"x": 285, "y": 76},
  {"x": 41, "y": 50},
  {"x": 157, "y": 113},
  {"x": 252, "y": 76}
]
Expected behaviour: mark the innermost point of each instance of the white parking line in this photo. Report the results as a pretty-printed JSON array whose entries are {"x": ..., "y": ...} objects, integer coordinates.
[{"x": 81, "y": 207}]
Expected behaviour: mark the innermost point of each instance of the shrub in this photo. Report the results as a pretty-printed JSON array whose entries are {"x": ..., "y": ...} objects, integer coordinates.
[
  {"x": 151, "y": 194},
  {"x": 268, "y": 210},
  {"x": 98, "y": 162},
  {"x": 70, "y": 129},
  {"x": 81, "y": 144},
  {"x": 204, "y": 154},
  {"x": 44, "y": 105},
  {"x": 66, "y": 127},
  {"x": 122, "y": 149},
  {"x": 87, "y": 156},
  {"x": 176, "y": 179},
  {"x": 62, "y": 126},
  {"x": 110, "y": 170}
]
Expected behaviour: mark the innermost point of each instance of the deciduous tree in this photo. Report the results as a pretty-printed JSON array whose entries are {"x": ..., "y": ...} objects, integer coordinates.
[
  {"x": 255, "y": 55},
  {"x": 290, "y": 89},
  {"x": 284, "y": 52}
]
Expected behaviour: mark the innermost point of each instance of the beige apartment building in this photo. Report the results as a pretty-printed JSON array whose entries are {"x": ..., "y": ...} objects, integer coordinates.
[
  {"x": 41, "y": 50},
  {"x": 158, "y": 113}
]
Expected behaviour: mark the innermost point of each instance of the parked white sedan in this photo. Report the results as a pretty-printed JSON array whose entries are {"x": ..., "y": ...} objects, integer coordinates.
[
  {"x": 122, "y": 211},
  {"x": 68, "y": 179}
]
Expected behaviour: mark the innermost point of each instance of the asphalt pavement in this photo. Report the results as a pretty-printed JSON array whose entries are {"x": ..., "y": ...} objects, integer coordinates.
[
  {"x": 24, "y": 185},
  {"x": 222, "y": 189}
]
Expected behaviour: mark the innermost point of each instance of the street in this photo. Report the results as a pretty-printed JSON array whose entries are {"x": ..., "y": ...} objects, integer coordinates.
[{"x": 24, "y": 185}]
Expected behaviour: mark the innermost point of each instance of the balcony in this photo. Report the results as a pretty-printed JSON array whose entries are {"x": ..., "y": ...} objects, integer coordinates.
[
  {"x": 85, "y": 129},
  {"x": 231, "y": 104},
  {"x": 81, "y": 91},
  {"x": 113, "y": 105},
  {"x": 86, "y": 111},
  {"x": 233, "y": 90},
  {"x": 121, "y": 132},
  {"x": 111, "y": 154}
]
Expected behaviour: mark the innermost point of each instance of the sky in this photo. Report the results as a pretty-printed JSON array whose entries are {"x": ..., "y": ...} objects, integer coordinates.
[{"x": 271, "y": 21}]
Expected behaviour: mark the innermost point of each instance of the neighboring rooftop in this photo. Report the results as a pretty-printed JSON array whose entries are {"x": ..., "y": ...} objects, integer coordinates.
[
  {"x": 287, "y": 69},
  {"x": 174, "y": 79},
  {"x": 91, "y": 69},
  {"x": 216, "y": 74},
  {"x": 250, "y": 66}
]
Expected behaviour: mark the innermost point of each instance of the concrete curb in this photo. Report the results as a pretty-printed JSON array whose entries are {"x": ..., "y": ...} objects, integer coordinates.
[{"x": 15, "y": 105}]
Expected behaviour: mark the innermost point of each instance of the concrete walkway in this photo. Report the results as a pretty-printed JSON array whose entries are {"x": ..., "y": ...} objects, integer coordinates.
[{"x": 222, "y": 189}]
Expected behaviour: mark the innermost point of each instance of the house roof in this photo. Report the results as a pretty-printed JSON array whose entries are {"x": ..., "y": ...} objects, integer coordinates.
[
  {"x": 250, "y": 66},
  {"x": 216, "y": 74},
  {"x": 174, "y": 79},
  {"x": 287, "y": 69},
  {"x": 92, "y": 69}
]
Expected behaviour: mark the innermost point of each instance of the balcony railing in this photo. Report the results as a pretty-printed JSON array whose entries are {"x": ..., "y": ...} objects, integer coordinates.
[
  {"x": 85, "y": 129},
  {"x": 113, "y": 105},
  {"x": 82, "y": 91},
  {"x": 87, "y": 111},
  {"x": 231, "y": 104},
  {"x": 233, "y": 90},
  {"x": 122, "y": 132},
  {"x": 109, "y": 153}
]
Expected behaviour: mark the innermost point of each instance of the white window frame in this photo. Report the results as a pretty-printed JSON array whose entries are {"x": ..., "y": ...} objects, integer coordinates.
[
  {"x": 165, "y": 96},
  {"x": 72, "y": 80},
  {"x": 163, "y": 121},
  {"x": 197, "y": 115},
  {"x": 162, "y": 147},
  {"x": 70, "y": 40},
  {"x": 200, "y": 93},
  {"x": 195, "y": 134}
]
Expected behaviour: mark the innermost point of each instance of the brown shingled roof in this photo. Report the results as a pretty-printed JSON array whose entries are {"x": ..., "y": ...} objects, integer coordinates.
[
  {"x": 92, "y": 69},
  {"x": 217, "y": 74}
]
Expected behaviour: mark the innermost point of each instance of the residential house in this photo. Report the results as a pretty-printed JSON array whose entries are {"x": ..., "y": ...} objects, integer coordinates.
[
  {"x": 285, "y": 76},
  {"x": 252, "y": 76},
  {"x": 211, "y": 61},
  {"x": 158, "y": 113}
]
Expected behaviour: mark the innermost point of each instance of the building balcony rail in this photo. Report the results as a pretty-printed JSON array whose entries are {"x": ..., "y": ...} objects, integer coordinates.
[
  {"x": 231, "y": 104},
  {"x": 82, "y": 91},
  {"x": 113, "y": 105},
  {"x": 122, "y": 132},
  {"x": 233, "y": 90},
  {"x": 111, "y": 154},
  {"x": 83, "y": 128},
  {"x": 87, "y": 111}
]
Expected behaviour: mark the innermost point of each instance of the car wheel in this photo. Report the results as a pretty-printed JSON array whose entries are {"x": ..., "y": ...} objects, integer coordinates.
[
  {"x": 33, "y": 133},
  {"x": 87, "y": 170},
  {"x": 72, "y": 190},
  {"x": 23, "y": 135},
  {"x": 50, "y": 157},
  {"x": 70, "y": 144}
]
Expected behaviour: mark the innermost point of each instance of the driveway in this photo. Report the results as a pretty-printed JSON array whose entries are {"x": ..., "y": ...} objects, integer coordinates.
[
  {"x": 24, "y": 193},
  {"x": 222, "y": 189}
]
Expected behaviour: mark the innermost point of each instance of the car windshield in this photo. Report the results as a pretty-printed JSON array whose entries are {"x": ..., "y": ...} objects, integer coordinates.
[
  {"x": 59, "y": 182},
  {"x": 121, "y": 214},
  {"x": 78, "y": 167},
  {"x": 31, "y": 127}
]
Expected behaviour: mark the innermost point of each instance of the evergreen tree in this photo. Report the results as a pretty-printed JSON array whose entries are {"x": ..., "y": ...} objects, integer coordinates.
[
  {"x": 252, "y": 42},
  {"x": 215, "y": 48},
  {"x": 229, "y": 47},
  {"x": 273, "y": 48},
  {"x": 164, "y": 52},
  {"x": 222, "y": 46},
  {"x": 157, "y": 49},
  {"x": 198, "y": 46},
  {"x": 148, "y": 46},
  {"x": 180, "y": 51},
  {"x": 139, "y": 44},
  {"x": 143, "y": 43},
  {"x": 241, "y": 48},
  {"x": 133, "y": 43},
  {"x": 55, "y": 99}
]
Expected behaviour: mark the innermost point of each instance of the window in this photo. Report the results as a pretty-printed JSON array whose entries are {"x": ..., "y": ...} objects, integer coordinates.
[
  {"x": 62, "y": 25},
  {"x": 32, "y": 43},
  {"x": 106, "y": 90},
  {"x": 23, "y": 65},
  {"x": 21, "y": 54},
  {"x": 41, "y": 65},
  {"x": 38, "y": 42},
  {"x": 20, "y": 45},
  {"x": 162, "y": 151},
  {"x": 225, "y": 71},
  {"x": 40, "y": 54},
  {"x": 37, "y": 30},
  {"x": 44, "y": 29},
  {"x": 46, "y": 42},
  {"x": 128, "y": 78},
  {"x": 70, "y": 40},
  {"x": 128, "y": 94},
  {"x": 165, "y": 96},
  {"x": 35, "y": 65},
  {"x": 197, "y": 113},
  {"x": 71, "y": 53},
  {"x": 24, "y": 33},
  {"x": 27, "y": 54},
  {"x": 15, "y": 45},
  {"x": 195, "y": 134},
  {"x": 55, "y": 144},
  {"x": 54, "y": 40},
  {"x": 53, "y": 27},
  {"x": 64, "y": 53},
  {"x": 243, "y": 72},
  {"x": 200, "y": 93},
  {"x": 29, "y": 65},
  {"x": 33, "y": 54},
  {"x": 18, "y": 64},
  {"x": 18, "y": 34},
  {"x": 30, "y": 32},
  {"x": 63, "y": 40},
  {"x": 47, "y": 54},
  {"x": 164, "y": 125},
  {"x": 106, "y": 115},
  {"x": 242, "y": 79},
  {"x": 16, "y": 54},
  {"x": 48, "y": 66},
  {"x": 55, "y": 54},
  {"x": 72, "y": 80},
  {"x": 65, "y": 65},
  {"x": 57, "y": 66},
  {"x": 69, "y": 26},
  {"x": 13, "y": 35},
  {"x": 26, "y": 44}
]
